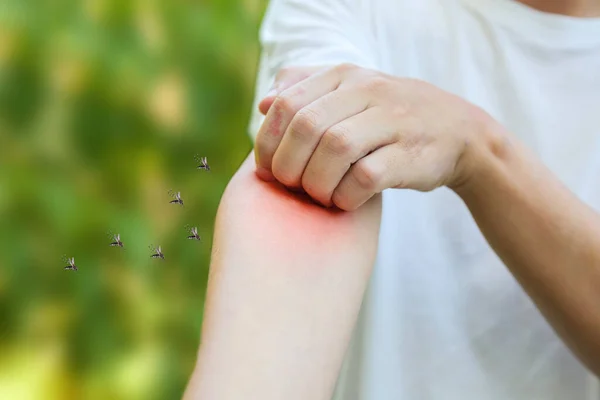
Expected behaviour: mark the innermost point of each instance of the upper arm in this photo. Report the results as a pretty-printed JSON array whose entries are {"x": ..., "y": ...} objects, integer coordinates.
[
  {"x": 299, "y": 33},
  {"x": 316, "y": 32}
]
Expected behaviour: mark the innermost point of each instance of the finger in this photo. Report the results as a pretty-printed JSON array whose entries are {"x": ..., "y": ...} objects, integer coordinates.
[
  {"x": 267, "y": 101},
  {"x": 285, "y": 106},
  {"x": 285, "y": 78},
  {"x": 394, "y": 166},
  {"x": 367, "y": 177},
  {"x": 342, "y": 145},
  {"x": 306, "y": 129}
]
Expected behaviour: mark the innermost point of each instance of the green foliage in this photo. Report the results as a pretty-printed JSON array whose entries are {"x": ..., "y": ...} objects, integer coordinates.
[{"x": 103, "y": 106}]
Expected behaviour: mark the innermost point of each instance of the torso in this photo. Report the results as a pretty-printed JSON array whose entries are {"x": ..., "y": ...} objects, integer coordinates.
[{"x": 443, "y": 318}]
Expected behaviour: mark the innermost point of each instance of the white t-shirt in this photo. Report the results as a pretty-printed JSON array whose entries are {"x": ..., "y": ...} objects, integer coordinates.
[{"x": 443, "y": 318}]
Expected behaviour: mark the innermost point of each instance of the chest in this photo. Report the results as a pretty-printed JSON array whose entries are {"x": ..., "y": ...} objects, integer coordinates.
[{"x": 549, "y": 98}]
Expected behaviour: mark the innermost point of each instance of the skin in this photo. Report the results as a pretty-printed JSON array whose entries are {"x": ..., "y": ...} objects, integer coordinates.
[
  {"x": 546, "y": 237},
  {"x": 286, "y": 282},
  {"x": 346, "y": 133}
]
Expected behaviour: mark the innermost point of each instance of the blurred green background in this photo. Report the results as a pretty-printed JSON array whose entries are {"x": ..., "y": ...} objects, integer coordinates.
[{"x": 103, "y": 106}]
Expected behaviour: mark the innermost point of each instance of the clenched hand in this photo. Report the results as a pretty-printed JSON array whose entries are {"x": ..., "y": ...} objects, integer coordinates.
[{"x": 345, "y": 133}]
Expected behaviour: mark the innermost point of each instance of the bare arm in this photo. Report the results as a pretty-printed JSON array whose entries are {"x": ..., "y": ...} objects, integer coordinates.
[
  {"x": 547, "y": 237},
  {"x": 286, "y": 283}
]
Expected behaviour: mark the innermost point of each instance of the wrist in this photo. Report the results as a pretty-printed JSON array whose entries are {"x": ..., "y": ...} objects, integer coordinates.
[{"x": 487, "y": 148}]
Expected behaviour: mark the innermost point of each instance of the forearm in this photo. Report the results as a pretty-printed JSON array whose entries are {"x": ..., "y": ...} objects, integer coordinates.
[
  {"x": 547, "y": 237},
  {"x": 287, "y": 279}
]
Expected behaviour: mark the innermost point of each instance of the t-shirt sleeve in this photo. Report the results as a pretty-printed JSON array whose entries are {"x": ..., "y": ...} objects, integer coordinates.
[{"x": 310, "y": 33}]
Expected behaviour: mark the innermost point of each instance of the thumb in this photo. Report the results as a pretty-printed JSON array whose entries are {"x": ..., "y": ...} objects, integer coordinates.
[{"x": 286, "y": 78}]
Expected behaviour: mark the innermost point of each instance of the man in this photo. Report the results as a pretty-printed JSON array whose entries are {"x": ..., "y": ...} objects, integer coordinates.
[{"x": 487, "y": 287}]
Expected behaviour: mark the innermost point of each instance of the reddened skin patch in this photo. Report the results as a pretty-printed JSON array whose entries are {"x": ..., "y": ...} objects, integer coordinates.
[{"x": 289, "y": 221}]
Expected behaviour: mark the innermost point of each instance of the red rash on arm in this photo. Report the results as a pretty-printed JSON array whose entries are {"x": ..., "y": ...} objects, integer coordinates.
[
  {"x": 297, "y": 216},
  {"x": 286, "y": 282},
  {"x": 290, "y": 221}
]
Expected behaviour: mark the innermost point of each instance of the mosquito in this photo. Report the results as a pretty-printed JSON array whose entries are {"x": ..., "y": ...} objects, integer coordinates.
[
  {"x": 177, "y": 199},
  {"x": 117, "y": 240},
  {"x": 203, "y": 163},
  {"x": 157, "y": 253},
  {"x": 194, "y": 234},
  {"x": 71, "y": 266}
]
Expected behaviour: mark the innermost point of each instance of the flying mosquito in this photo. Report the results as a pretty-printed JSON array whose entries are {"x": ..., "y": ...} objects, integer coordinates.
[
  {"x": 117, "y": 240},
  {"x": 157, "y": 253},
  {"x": 71, "y": 266},
  {"x": 177, "y": 197},
  {"x": 203, "y": 163},
  {"x": 194, "y": 234}
]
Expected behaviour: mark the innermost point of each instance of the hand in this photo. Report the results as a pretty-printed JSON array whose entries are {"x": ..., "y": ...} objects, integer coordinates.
[
  {"x": 345, "y": 133},
  {"x": 284, "y": 79}
]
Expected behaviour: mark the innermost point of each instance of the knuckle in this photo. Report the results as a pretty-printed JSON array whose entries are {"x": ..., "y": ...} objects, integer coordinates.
[
  {"x": 337, "y": 140},
  {"x": 284, "y": 104},
  {"x": 400, "y": 110},
  {"x": 368, "y": 175},
  {"x": 412, "y": 146},
  {"x": 345, "y": 67},
  {"x": 304, "y": 124},
  {"x": 376, "y": 84}
]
